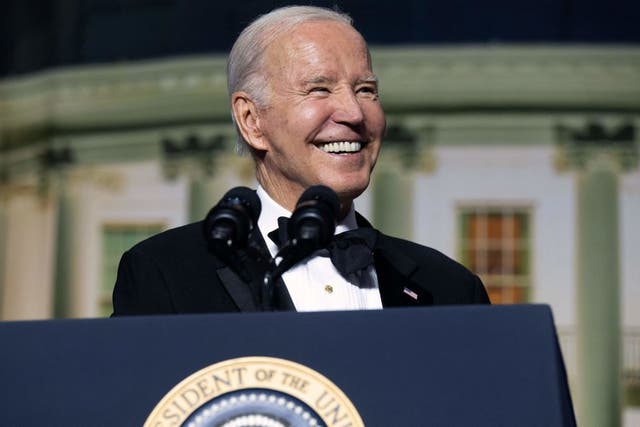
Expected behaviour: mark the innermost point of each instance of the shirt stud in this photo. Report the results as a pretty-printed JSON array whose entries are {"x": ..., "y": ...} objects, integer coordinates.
[{"x": 328, "y": 289}]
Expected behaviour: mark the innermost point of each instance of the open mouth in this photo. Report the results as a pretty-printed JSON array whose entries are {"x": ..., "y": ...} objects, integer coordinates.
[{"x": 341, "y": 147}]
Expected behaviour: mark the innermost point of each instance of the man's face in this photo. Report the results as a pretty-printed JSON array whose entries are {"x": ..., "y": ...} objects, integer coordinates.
[{"x": 324, "y": 122}]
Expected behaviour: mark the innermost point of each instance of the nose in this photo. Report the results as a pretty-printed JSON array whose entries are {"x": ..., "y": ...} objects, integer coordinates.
[{"x": 348, "y": 109}]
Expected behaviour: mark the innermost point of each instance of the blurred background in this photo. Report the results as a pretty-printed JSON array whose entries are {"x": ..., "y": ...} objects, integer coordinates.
[{"x": 512, "y": 146}]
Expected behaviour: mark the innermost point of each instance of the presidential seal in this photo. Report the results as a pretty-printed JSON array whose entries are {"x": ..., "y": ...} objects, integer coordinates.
[{"x": 255, "y": 392}]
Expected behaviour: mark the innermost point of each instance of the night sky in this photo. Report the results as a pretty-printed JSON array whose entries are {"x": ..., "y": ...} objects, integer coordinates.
[{"x": 36, "y": 34}]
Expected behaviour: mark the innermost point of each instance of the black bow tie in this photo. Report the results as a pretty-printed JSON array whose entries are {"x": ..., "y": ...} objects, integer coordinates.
[{"x": 350, "y": 252}]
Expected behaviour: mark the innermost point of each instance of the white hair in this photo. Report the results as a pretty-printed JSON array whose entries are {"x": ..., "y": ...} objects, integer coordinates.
[{"x": 245, "y": 64}]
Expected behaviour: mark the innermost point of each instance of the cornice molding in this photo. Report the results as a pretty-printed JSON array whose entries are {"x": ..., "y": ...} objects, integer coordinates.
[
  {"x": 510, "y": 77},
  {"x": 192, "y": 90},
  {"x": 132, "y": 95}
]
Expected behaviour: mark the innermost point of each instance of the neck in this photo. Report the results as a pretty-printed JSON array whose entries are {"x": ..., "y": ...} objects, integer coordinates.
[
  {"x": 287, "y": 197},
  {"x": 345, "y": 207}
]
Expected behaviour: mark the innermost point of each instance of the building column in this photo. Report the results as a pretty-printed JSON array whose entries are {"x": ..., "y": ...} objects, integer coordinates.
[
  {"x": 404, "y": 153},
  {"x": 199, "y": 159},
  {"x": 206, "y": 189},
  {"x": 77, "y": 250},
  {"x": 393, "y": 199},
  {"x": 202, "y": 196},
  {"x": 28, "y": 228},
  {"x": 598, "y": 293},
  {"x": 64, "y": 252},
  {"x": 599, "y": 157},
  {"x": 3, "y": 242}
]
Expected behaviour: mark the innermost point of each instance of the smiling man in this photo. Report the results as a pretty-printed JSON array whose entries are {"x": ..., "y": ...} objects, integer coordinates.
[
  {"x": 305, "y": 102},
  {"x": 322, "y": 121}
]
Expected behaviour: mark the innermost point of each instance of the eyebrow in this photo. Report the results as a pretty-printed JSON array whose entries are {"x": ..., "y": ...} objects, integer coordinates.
[
  {"x": 322, "y": 79},
  {"x": 319, "y": 80},
  {"x": 370, "y": 79}
]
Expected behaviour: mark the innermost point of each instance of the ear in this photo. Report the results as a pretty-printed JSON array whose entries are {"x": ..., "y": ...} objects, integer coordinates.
[{"x": 245, "y": 114}]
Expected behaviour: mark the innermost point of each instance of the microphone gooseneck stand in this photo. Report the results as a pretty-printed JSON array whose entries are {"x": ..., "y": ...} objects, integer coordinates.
[
  {"x": 311, "y": 227},
  {"x": 228, "y": 225}
]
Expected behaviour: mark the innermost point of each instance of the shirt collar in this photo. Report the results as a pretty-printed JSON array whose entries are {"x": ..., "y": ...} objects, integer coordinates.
[{"x": 271, "y": 211}]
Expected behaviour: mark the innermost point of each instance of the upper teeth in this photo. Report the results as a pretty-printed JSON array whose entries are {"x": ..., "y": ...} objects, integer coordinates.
[{"x": 341, "y": 147}]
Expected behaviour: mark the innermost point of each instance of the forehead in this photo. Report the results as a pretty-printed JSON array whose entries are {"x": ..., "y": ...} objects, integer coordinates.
[{"x": 318, "y": 46}]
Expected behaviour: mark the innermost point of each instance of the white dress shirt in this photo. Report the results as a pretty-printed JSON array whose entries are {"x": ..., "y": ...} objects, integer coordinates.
[{"x": 314, "y": 284}]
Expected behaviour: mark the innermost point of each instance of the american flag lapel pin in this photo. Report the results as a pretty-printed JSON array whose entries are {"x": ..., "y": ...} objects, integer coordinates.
[{"x": 410, "y": 293}]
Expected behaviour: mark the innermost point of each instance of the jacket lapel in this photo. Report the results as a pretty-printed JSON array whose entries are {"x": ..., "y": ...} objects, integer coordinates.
[
  {"x": 394, "y": 279},
  {"x": 252, "y": 263},
  {"x": 239, "y": 291},
  {"x": 281, "y": 298},
  {"x": 394, "y": 271}
]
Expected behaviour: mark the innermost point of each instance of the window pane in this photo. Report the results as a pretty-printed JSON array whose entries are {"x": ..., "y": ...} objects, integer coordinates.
[
  {"x": 506, "y": 294},
  {"x": 494, "y": 244}
]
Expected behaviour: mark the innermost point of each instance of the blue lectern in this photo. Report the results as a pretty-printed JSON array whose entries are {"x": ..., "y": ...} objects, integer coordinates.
[{"x": 441, "y": 366}]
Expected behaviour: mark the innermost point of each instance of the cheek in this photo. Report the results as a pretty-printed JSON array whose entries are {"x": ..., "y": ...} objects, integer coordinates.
[
  {"x": 376, "y": 119},
  {"x": 373, "y": 155},
  {"x": 308, "y": 118}
]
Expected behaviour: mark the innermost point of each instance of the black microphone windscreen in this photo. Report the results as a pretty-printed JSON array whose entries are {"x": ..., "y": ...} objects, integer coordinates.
[
  {"x": 248, "y": 198},
  {"x": 324, "y": 194}
]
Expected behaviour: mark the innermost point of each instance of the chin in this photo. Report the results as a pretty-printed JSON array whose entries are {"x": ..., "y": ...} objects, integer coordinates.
[
  {"x": 347, "y": 186},
  {"x": 348, "y": 193}
]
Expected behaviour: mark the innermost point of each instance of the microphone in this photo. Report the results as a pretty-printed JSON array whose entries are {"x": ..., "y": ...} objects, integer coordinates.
[
  {"x": 228, "y": 224},
  {"x": 313, "y": 222},
  {"x": 311, "y": 227}
]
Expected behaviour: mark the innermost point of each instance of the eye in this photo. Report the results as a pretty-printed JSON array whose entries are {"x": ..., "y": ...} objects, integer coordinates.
[
  {"x": 367, "y": 90},
  {"x": 319, "y": 89}
]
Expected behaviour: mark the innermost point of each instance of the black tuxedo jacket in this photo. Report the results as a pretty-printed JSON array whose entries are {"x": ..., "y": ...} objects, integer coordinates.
[{"x": 176, "y": 272}]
